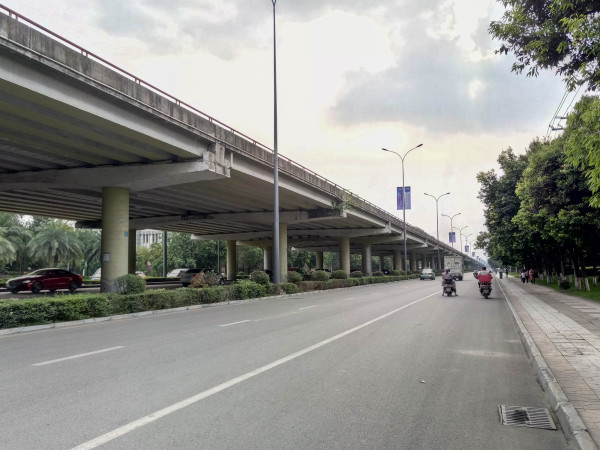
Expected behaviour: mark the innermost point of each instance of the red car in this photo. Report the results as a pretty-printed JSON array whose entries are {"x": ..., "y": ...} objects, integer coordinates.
[{"x": 45, "y": 279}]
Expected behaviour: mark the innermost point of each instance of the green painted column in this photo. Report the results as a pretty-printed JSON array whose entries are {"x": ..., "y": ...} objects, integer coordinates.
[
  {"x": 320, "y": 260},
  {"x": 345, "y": 254},
  {"x": 115, "y": 236},
  {"x": 283, "y": 262},
  {"x": 366, "y": 260},
  {"x": 231, "y": 260}
]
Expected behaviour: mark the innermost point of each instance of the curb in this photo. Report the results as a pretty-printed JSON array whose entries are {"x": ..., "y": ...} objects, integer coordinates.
[{"x": 573, "y": 427}]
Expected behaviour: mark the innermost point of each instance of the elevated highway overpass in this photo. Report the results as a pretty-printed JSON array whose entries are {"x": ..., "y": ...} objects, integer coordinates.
[{"x": 83, "y": 140}]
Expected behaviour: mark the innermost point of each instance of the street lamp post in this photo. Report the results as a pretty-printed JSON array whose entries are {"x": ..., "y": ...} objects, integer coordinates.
[
  {"x": 276, "y": 256},
  {"x": 461, "y": 235},
  {"x": 437, "y": 225},
  {"x": 403, "y": 200},
  {"x": 451, "y": 218},
  {"x": 467, "y": 240}
]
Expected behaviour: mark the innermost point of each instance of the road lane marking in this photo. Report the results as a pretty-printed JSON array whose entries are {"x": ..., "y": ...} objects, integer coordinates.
[
  {"x": 307, "y": 307},
  {"x": 81, "y": 355},
  {"x": 131, "y": 426},
  {"x": 235, "y": 323},
  {"x": 349, "y": 298}
]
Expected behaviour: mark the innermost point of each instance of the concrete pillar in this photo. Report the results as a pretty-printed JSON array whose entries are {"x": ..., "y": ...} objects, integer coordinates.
[
  {"x": 283, "y": 263},
  {"x": 366, "y": 260},
  {"x": 268, "y": 258},
  {"x": 412, "y": 257},
  {"x": 344, "y": 254},
  {"x": 398, "y": 260},
  {"x": 131, "y": 252},
  {"x": 381, "y": 262},
  {"x": 319, "y": 260},
  {"x": 231, "y": 260},
  {"x": 115, "y": 236}
]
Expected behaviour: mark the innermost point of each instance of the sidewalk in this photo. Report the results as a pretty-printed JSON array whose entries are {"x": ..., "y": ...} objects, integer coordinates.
[{"x": 561, "y": 335}]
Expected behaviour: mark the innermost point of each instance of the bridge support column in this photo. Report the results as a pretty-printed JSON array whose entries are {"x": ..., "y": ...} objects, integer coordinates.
[
  {"x": 381, "y": 262},
  {"x": 268, "y": 258},
  {"x": 231, "y": 260},
  {"x": 413, "y": 261},
  {"x": 131, "y": 251},
  {"x": 319, "y": 256},
  {"x": 398, "y": 260},
  {"x": 115, "y": 236},
  {"x": 367, "y": 269},
  {"x": 283, "y": 263},
  {"x": 345, "y": 254}
]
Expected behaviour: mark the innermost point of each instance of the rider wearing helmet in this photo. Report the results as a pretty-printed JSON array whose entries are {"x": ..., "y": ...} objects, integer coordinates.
[{"x": 447, "y": 278}]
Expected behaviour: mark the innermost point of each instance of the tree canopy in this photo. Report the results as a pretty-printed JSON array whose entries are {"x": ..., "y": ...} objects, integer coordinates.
[{"x": 563, "y": 35}]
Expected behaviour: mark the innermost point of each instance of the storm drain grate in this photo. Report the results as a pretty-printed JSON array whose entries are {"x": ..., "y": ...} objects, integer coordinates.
[{"x": 522, "y": 416}]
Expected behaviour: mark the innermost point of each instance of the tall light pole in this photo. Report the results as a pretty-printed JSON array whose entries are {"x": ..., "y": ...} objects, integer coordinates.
[
  {"x": 451, "y": 227},
  {"x": 403, "y": 200},
  {"x": 276, "y": 271},
  {"x": 461, "y": 235},
  {"x": 437, "y": 225}
]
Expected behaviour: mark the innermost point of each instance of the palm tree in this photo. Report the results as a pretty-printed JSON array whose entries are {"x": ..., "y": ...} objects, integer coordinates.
[
  {"x": 8, "y": 251},
  {"x": 56, "y": 242},
  {"x": 92, "y": 247}
]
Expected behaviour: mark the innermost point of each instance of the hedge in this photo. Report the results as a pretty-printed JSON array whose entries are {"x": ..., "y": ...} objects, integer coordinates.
[{"x": 70, "y": 307}]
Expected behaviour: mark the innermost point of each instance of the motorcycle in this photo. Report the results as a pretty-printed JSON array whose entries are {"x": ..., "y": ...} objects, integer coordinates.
[
  {"x": 485, "y": 288},
  {"x": 447, "y": 289}
]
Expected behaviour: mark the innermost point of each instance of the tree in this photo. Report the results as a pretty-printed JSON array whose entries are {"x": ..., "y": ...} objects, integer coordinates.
[
  {"x": 582, "y": 144},
  {"x": 552, "y": 34},
  {"x": 91, "y": 241},
  {"x": 56, "y": 243}
]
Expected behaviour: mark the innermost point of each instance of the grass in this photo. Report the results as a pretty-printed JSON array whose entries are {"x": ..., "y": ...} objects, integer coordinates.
[{"x": 593, "y": 294}]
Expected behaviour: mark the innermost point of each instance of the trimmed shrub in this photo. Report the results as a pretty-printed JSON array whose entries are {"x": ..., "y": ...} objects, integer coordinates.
[
  {"x": 294, "y": 277},
  {"x": 564, "y": 285},
  {"x": 378, "y": 273},
  {"x": 319, "y": 275},
  {"x": 395, "y": 273},
  {"x": 249, "y": 289},
  {"x": 356, "y": 274},
  {"x": 205, "y": 279},
  {"x": 260, "y": 277},
  {"x": 289, "y": 288},
  {"x": 130, "y": 284},
  {"x": 339, "y": 275}
]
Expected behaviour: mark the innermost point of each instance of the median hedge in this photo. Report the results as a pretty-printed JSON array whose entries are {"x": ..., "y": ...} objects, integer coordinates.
[{"x": 63, "y": 308}]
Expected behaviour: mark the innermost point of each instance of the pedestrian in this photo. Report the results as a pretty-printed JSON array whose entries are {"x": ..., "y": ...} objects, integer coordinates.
[
  {"x": 506, "y": 272},
  {"x": 532, "y": 275},
  {"x": 523, "y": 275}
]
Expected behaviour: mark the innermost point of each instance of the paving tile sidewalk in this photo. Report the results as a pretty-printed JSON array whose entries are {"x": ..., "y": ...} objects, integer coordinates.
[{"x": 566, "y": 332}]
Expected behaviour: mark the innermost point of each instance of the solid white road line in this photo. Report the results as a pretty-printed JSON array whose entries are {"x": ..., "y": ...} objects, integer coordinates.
[
  {"x": 77, "y": 356},
  {"x": 127, "y": 428},
  {"x": 235, "y": 323},
  {"x": 307, "y": 307}
]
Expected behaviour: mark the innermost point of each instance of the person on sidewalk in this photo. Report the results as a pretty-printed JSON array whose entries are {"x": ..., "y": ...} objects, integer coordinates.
[
  {"x": 532, "y": 275},
  {"x": 524, "y": 275}
]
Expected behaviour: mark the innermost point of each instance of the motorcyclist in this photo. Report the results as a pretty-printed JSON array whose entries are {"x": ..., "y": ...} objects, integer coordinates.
[
  {"x": 484, "y": 276},
  {"x": 447, "y": 278}
]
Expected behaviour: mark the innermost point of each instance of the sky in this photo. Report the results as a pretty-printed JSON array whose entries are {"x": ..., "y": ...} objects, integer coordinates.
[{"x": 353, "y": 76}]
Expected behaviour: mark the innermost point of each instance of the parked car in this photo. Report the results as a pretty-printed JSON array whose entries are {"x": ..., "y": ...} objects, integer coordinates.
[
  {"x": 187, "y": 276},
  {"x": 176, "y": 273},
  {"x": 427, "y": 274},
  {"x": 45, "y": 279},
  {"x": 96, "y": 275}
]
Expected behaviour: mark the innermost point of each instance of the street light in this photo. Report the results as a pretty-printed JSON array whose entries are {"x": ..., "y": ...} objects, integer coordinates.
[
  {"x": 403, "y": 200},
  {"x": 457, "y": 214},
  {"x": 276, "y": 271},
  {"x": 467, "y": 240},
  {"x": 437, "y": 224},
  {"x": 460, "y": 234}
]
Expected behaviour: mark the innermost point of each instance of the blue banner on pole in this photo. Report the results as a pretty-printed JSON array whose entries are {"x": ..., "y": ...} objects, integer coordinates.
[
  {"x": 473, "y": 254},
  {"x": 452, "y": 237},
  {"x": 466, "y": 249},
  {"x": 406, "y": 196}
]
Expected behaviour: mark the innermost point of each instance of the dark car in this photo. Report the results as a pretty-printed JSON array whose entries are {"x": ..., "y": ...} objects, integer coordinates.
[{"x": 45, "y": 279}]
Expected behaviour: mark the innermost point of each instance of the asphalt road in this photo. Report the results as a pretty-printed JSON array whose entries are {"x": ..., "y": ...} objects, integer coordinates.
[{"x": 386, "y": 366}]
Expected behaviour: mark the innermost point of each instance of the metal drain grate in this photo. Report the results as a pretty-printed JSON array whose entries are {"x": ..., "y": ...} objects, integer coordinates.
[{"x": 522, "y": 416}]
